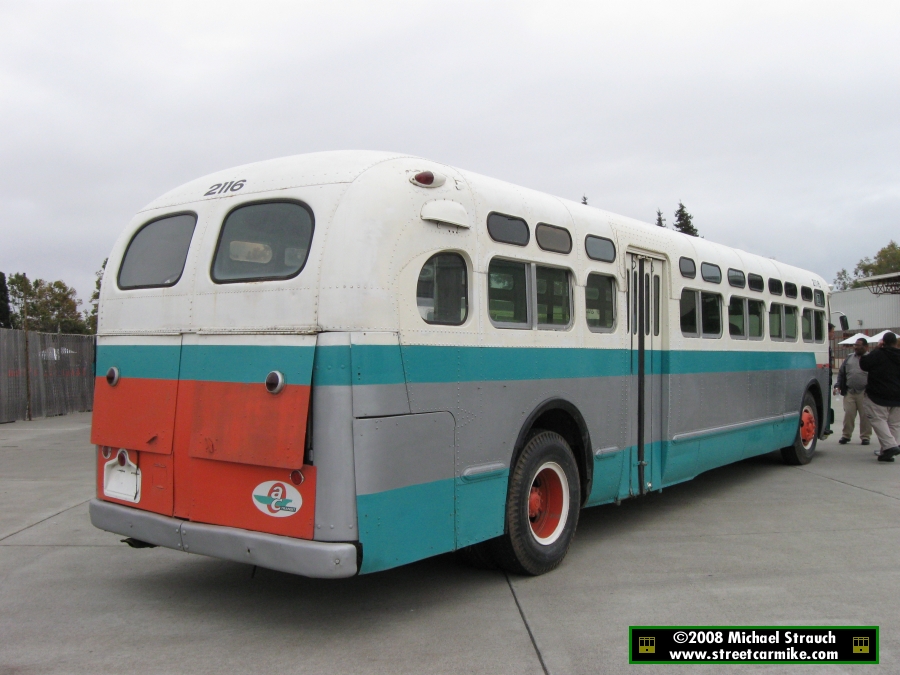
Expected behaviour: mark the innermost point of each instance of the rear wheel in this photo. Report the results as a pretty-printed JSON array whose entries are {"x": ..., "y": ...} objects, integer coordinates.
[
  {"x": 542, "y": 507},
  {"x": 804, "y": 446}
]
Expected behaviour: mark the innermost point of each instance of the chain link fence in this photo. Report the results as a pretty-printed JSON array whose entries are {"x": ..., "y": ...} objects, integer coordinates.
[{"x": 58, "y": 378}]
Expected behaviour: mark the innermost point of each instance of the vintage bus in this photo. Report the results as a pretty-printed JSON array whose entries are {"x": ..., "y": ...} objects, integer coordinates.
[{"x": 338, "y": 363}]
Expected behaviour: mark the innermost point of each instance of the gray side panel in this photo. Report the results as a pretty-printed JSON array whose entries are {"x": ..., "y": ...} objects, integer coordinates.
[
  {"x": 503, "y": 408},
  {"x": 393, "y": 452},
  {"x": 294, "y": 556},
  {"x": 332, "y": 443},
  {"x": 130, "y": 522},
  {"x": 379, "y": 400}
]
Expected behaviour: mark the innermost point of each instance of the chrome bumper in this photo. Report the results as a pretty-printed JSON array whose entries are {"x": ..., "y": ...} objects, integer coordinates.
[{"x": 317, "y": 559}]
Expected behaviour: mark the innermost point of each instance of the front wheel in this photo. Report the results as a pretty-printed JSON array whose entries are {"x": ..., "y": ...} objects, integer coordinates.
[
  {"x": 542, "y": 507},
  {"x": 804, "y": 446}
]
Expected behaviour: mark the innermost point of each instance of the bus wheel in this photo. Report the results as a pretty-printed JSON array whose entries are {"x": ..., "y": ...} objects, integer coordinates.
[
  {"x": 542, "y": 507},
  {"x": 801, "y": 452}
]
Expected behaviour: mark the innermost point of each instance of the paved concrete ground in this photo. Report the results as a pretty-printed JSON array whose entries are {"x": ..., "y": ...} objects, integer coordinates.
[{"x": 756, "y": 543}]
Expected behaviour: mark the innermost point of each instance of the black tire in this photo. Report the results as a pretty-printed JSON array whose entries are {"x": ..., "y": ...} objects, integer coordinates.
[
  {"x": 545, "y": 480},
  {"x": 802, "y": 451}
]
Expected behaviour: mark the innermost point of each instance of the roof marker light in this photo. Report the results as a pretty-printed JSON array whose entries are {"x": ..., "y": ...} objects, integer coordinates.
[{"x": 427, "y": 179}]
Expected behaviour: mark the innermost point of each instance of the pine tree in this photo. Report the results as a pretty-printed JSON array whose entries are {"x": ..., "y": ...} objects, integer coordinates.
[
  {"x": 584, "y": 199},
  {"x": 90, "y": 317},
  {"x": 660, "y": 221},
  {"x": 4, "y": 303},
  {"x": 684, "y": 221}
]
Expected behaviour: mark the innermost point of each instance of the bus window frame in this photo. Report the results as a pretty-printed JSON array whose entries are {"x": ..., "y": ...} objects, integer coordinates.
[
  {"x": 746, "y": 333},
  {"x": 762, "y": 318},
  {"x": 811, "y": 339},
  {"x": 533, "y": 299},
  {"x": 253, "y": 280},
  {"x": 469, "y": 280},
  {"x": 529, "y": 291},
  {"x": 698, "y": 298},
  {"x": 135, "y": 236},
  {"x": 615, "y": 307},
  {"x": 820, "y": 315},
  {"x": 784, "y": 313},
  {"x": 712, "y": 336},
  {"x": 780, "y": 337}
]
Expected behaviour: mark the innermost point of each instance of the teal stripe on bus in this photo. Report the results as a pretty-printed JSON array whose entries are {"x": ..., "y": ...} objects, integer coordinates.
[
  {"x": 246, "y": 363},
  {"x": 152, "y": 362},
  {"x": 423, "y": 364},
  {"x": 210, "y": 363}
]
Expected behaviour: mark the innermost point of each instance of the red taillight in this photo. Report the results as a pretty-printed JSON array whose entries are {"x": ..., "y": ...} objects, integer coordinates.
[
  {"x": 122, "y": 458},
  {"x": 106, "y": 451},
  {"x": 296, "y": 477},
  {"x": 424, "y": 178}
]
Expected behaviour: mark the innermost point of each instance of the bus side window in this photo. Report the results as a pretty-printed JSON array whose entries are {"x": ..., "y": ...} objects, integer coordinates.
[
  {"x": 820, "y": 326},
  {"x": 508, "y": 293},
  {"x": 756, "y": 310},
  {"x": 737, "y": 322},
  {"x": 711, "y": 304},
  {"x": 689, "y": 323},
  {"x": 553, "y": 297},
  {"x": 600, "y": 302},
  {"x": 790, "y": 323},
  {"x": 775, "y": 331},
  {"x": 806, "y": 324},
  {"x": 442, "y": 290}
]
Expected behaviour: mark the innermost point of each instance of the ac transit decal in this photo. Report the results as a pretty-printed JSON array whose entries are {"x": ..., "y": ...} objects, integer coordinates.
[
  {"x": 753, "y": 644},
  {"x": 277, "y": 499}
]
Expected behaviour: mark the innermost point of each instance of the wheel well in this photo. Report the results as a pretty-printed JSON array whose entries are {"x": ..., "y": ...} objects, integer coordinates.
[
  {"x": 816, "y": 391},
  {"x": 565, "y": 419}
]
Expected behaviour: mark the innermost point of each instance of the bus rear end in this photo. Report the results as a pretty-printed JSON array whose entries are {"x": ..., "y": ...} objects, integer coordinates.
[{"x": 205, "y": 362}]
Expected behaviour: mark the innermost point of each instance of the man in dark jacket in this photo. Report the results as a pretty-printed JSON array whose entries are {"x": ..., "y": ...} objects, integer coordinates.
[{"x": 882, "y": 400}]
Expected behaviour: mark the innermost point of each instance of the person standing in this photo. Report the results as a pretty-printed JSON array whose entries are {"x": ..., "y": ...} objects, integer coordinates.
[
  {"x": 851, "y": 383},
  {"x": 882, "y": 398}
]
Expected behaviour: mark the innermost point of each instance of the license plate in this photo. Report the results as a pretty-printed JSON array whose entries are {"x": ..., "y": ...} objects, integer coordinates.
[{"x": 122, "y": 482}]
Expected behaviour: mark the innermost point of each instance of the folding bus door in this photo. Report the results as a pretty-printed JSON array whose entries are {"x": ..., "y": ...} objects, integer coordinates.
[{"x": 646, "y": 318}]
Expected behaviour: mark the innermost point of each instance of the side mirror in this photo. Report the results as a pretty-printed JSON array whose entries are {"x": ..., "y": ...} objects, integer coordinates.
[{"x": 845, "y": 322}]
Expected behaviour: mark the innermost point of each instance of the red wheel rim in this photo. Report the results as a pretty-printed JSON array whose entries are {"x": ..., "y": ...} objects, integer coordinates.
[
  {"x": 807, "y": 427},
  {"x": 548, "y": 503}
]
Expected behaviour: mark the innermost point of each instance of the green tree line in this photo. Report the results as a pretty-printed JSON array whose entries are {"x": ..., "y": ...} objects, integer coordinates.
[
  {"x": 46, "y": 306},
  {"x": 886, "y": 260}
]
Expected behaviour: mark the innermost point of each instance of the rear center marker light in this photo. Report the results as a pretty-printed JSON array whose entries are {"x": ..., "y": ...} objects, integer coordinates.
[
  {"x": 274, "y": 382},
  {"x": 122, "y": 458}
]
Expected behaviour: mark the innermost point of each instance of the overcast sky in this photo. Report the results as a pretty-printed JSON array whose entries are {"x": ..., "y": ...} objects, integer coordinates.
[{"x": 777, "y": 124}]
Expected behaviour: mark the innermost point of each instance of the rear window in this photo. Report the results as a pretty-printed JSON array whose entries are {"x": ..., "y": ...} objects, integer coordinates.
[
  {"x": 263, "y": 241},
  {"x": 155, "y": 257}
]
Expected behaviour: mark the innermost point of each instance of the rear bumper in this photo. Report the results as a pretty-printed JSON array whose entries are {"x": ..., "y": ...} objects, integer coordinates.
[{"x": 324, "y": 560}]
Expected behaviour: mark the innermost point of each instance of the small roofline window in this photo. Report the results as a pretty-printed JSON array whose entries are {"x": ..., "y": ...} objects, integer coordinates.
[
  {"x": 687, "y": 267},
  {"x": 600, "y": 248},
  {"x": 775, "y": 287},
  {"x": 736, "y": 278},
  {"x": 508, "y": 229},
  {"x": 553, "y": 238},
  {"x": 711, "y": 273},
  {"x": 755, "y": 282}
]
